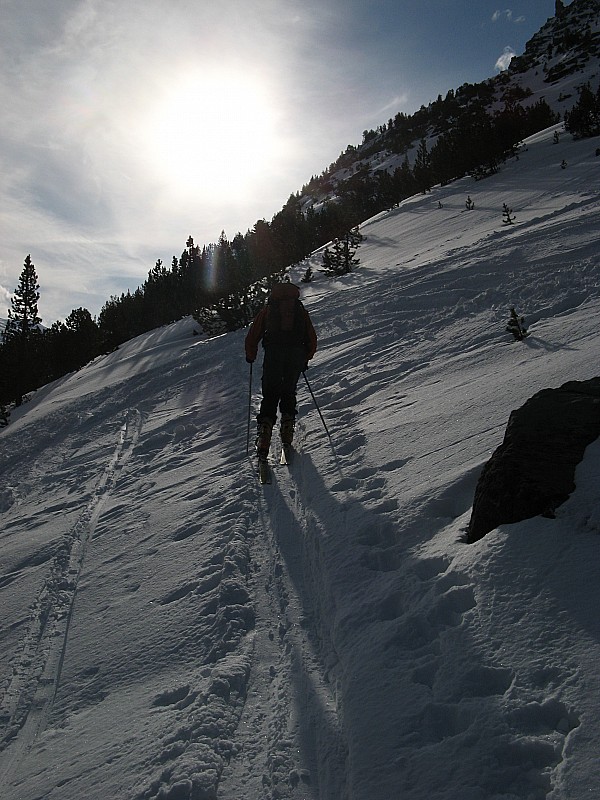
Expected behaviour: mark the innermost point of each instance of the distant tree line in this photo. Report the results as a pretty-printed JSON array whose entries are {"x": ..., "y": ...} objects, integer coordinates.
[
  {"x": 467, "y": 137},
  {"x": 203, "y": 276},
  {"x": 466, "y": 140}
]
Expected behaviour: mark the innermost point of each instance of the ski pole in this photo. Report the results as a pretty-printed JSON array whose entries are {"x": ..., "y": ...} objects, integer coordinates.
[
  {"x": 249, "y": 411},
  {"x": 316, "y": 404}
]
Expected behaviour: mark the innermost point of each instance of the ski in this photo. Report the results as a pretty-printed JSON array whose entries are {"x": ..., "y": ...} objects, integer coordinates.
[
  {"x": 286, "y": 454},
  {"x": 264, "y": 471}
]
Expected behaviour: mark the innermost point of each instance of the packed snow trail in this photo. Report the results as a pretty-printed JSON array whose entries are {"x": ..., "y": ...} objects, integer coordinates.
[{"x": 305, "y": 749}]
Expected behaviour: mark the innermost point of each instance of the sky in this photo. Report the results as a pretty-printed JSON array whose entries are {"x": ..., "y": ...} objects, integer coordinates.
[{"x": 128, "y": 127}]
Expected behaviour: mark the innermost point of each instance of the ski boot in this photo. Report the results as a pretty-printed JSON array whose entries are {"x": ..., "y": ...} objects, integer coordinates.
[
  {"x": 263, "y": 439},
  {"x": 287, "y": 429}
]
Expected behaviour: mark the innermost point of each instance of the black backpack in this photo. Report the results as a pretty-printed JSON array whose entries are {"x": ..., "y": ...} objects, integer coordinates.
[{"x": 285, "y": 323}]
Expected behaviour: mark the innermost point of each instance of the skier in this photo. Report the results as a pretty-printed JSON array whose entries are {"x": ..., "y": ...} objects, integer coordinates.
[{"x": 289, "y": 341}]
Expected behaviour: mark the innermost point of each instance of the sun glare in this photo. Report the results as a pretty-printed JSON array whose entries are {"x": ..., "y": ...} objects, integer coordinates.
[{"x": 212, "y": 133}]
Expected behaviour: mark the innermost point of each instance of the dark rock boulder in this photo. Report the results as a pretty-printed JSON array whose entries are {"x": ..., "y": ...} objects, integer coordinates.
[{"x": 533, "y": 470}]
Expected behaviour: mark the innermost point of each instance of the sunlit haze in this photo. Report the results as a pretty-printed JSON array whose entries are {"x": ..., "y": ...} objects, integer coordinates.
[
  {"x": 212, "y": 133},
  {"x": 128, "y": 127}
]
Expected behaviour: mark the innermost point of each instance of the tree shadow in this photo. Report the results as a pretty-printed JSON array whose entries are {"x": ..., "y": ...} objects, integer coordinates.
[{"x": 537, "y": 343}]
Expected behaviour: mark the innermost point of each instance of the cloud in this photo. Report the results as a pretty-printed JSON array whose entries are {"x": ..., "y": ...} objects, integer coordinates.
[
  {"x": 506, "y": 15},
  {"x": 504, "y": 60},
  {"x": 5, "y": 296},
  {"x": 398, "y": 101}
]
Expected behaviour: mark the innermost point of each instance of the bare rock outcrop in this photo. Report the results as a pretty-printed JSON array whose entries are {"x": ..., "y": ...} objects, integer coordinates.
[{"x": 533, "y": 470}]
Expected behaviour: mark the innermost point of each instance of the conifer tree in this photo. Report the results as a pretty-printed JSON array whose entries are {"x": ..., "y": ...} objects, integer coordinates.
[
  {"x": 308, "y": 276},
  {"x": 516, "y": 326},
  {"x": 342, "y": 259},
  {"x": 507, "y": 215},
  {"x": 327, "y": 260},
  {"x": 422, "y": 168},
  {"x": 83, "y": 337},
  {"x": 23, "y": 319},
  {"x": 584, "y": 118},
  {"x": 238, "y": 309},
  {"x": 339, "y": 257},
  {"x": 21, "y": 357}
]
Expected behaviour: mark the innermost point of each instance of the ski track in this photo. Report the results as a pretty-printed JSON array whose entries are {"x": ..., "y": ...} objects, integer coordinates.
[
  {"x": 27, "y": 702},
  {"x": 281, "y": 756},
  {"x": 442, "y": 638},
  {"x": 295, "y": 750}
]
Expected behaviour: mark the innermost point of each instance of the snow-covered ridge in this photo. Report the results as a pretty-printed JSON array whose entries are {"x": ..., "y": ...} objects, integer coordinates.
[
  {"x": 172, "y": 630},
  {"x": 558, "y": 60}
]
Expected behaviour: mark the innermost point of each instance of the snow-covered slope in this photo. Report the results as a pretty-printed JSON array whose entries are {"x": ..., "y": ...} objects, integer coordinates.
[{"x": 170, "y": 629}]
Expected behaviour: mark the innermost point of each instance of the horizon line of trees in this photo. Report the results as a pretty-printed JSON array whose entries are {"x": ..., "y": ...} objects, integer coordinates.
[{"x": 201, "y": 277}]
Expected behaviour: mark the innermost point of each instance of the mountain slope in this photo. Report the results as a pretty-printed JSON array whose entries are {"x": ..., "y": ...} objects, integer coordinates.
[
  {"x": 558, "y": 60},
  {"x": 172, "y": 630}
]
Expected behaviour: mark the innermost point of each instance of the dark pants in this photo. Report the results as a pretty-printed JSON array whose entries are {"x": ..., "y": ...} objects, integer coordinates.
[{"x": 282, "y": 366}]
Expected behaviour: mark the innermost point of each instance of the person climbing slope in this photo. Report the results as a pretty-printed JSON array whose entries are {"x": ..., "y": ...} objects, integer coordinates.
[{"x": 289, "y": 342}]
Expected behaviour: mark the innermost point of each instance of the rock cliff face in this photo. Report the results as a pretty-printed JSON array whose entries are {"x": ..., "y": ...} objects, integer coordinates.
[
  {"x": 565, "y": 44},
  {"x": 533, "y": 470}
]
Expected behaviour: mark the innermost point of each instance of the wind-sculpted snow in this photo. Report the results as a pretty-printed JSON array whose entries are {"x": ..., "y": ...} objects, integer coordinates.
[{"x": 171, "y": 629}]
